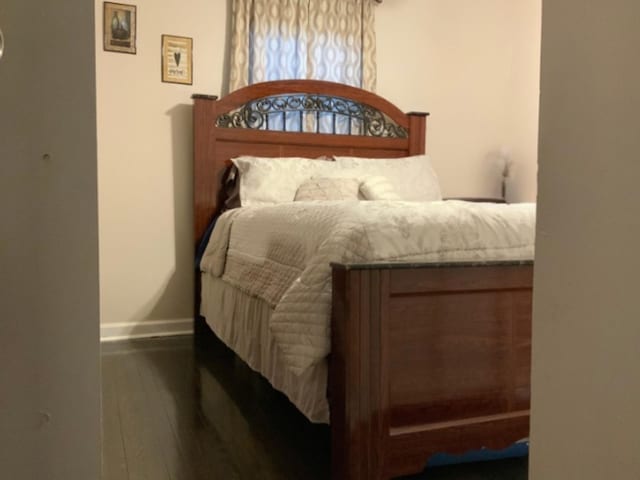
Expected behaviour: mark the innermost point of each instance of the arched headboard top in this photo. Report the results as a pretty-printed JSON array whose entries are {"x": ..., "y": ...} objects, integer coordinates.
[
  {"x": 316, "y": 118},
  {"x": 314, "y": 95}
]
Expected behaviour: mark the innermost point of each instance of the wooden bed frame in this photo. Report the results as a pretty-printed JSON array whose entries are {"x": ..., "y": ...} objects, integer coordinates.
[{"x": 425, "y": 358}]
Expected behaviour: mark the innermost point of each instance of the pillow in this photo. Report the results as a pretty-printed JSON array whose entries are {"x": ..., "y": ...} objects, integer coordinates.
[
  {"x": 412, "y": 178},
  {"x": 322, "y": 188},
  {"x": 378, "y": 188},
  {"x": 267, "y": 181}
]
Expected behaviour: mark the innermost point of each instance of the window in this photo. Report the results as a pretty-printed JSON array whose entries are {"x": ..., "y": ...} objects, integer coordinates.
[{"x": 330, "y": 40}]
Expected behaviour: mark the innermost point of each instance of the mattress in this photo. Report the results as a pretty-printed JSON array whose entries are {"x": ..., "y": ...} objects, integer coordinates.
[{"x": 281, "y": 255}]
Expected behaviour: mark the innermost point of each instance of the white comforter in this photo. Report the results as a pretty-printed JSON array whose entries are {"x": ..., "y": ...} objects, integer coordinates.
[{"x": 282, "y": 253}]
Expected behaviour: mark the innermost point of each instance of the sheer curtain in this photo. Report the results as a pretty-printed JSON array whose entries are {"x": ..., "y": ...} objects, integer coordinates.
[{"x": 319, "y": 39}]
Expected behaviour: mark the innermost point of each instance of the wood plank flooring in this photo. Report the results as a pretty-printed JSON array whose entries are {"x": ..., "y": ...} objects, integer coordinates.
[{"x": 175, "y": 412}]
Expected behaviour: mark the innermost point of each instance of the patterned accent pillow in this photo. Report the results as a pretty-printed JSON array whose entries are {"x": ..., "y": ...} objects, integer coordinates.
[
  {"x": 378, "y": 188},
  {"x": 322, "y": 188}
]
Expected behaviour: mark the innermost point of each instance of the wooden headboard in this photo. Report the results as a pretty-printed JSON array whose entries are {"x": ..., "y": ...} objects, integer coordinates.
[{"x": 314, "y": 118}]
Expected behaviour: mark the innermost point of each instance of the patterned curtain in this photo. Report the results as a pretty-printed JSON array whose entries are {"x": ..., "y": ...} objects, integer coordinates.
[{"x": 318, "y": 39}]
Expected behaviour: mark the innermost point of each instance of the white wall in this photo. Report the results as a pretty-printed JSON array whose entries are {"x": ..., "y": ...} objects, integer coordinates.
[
  {"x": 473, "y": 65},
  {"x": 145, "y": 171},
  {"x": 586, "y": 335}
]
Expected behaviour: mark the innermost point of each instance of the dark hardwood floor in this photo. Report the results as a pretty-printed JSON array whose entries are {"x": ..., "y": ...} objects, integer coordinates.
[{"x": 175, "y": 412}]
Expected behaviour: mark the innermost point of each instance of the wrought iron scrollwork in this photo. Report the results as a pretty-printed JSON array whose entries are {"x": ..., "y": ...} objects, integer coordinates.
[{"x": 310, "y": 111}]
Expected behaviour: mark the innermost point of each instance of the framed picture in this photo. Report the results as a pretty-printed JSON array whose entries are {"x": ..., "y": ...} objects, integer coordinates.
[
  {"x": 177, "y": 59},
  {"x": 119, "y": 27}
]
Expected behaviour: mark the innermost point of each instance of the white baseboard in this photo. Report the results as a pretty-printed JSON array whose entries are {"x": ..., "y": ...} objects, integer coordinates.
[{"x": 110, "y": 332}]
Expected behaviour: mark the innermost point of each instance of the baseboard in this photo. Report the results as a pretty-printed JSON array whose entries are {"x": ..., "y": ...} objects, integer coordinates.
[{"x": 110, "y": 332}]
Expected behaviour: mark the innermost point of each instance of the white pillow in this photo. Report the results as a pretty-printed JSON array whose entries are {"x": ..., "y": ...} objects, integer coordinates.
[
  {"x": 322, "y": 188},
  {"x": 378, "y": 188},
  {"x": 267, "y": 181},
  {"x": 412, "y": 178}
]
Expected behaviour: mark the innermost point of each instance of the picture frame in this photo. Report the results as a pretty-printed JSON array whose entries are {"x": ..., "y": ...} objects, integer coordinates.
[
  {"x": 177, "y": 59},
  {"x": 119, "y": 27}
]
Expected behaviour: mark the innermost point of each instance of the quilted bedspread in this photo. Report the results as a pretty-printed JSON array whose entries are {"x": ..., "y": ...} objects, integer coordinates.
[{"x": 281, "y": 253}]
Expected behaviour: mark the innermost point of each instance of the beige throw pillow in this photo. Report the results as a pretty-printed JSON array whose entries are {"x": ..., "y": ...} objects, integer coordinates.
[
  {"x": 378, "y": 188},
  {"x": 322, "y": 188}
]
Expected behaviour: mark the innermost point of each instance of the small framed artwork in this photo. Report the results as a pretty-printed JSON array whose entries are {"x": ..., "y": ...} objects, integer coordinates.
[
  {"x": 177, "y": 59},
  {"x": 119, "y": 27}
]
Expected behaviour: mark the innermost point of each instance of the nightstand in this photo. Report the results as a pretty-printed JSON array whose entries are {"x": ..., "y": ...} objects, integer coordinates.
[{"x": 478, "y": 199}]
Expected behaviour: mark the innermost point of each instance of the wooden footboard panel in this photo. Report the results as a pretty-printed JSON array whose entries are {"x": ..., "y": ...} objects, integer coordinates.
[{"x": 427, "y": 359}]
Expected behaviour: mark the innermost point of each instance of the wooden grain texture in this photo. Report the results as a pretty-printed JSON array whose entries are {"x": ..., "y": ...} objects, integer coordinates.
[
  {"x": 207, "y": 175},
  {"x": 417, "y": 133},
  {"x": 211, "y": 417},
  {"x": 141, "y": 442},
  {"x": 425, "y": 361},
  {"x": 205, "y": 416},
  {"x": 114, "y": 460}
]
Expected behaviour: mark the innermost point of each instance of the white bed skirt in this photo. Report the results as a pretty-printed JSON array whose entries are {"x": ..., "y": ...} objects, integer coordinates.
[{"x": 242, "y": 323}]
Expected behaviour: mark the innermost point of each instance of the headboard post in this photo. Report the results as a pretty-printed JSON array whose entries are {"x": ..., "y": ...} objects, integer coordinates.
[
  {"x": 205, "y": 177},
  {"x": 417, "y": 132}
]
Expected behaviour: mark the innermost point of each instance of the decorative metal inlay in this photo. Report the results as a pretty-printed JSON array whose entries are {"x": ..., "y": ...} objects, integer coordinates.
[{"x": 312, "y": 113}]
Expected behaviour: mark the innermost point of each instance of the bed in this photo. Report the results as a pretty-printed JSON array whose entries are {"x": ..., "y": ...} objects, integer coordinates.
[{"x": 426, "y": 357}]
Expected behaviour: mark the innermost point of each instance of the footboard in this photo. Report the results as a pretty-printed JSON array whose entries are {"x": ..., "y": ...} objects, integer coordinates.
[{"x": 427, "y": 359}]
